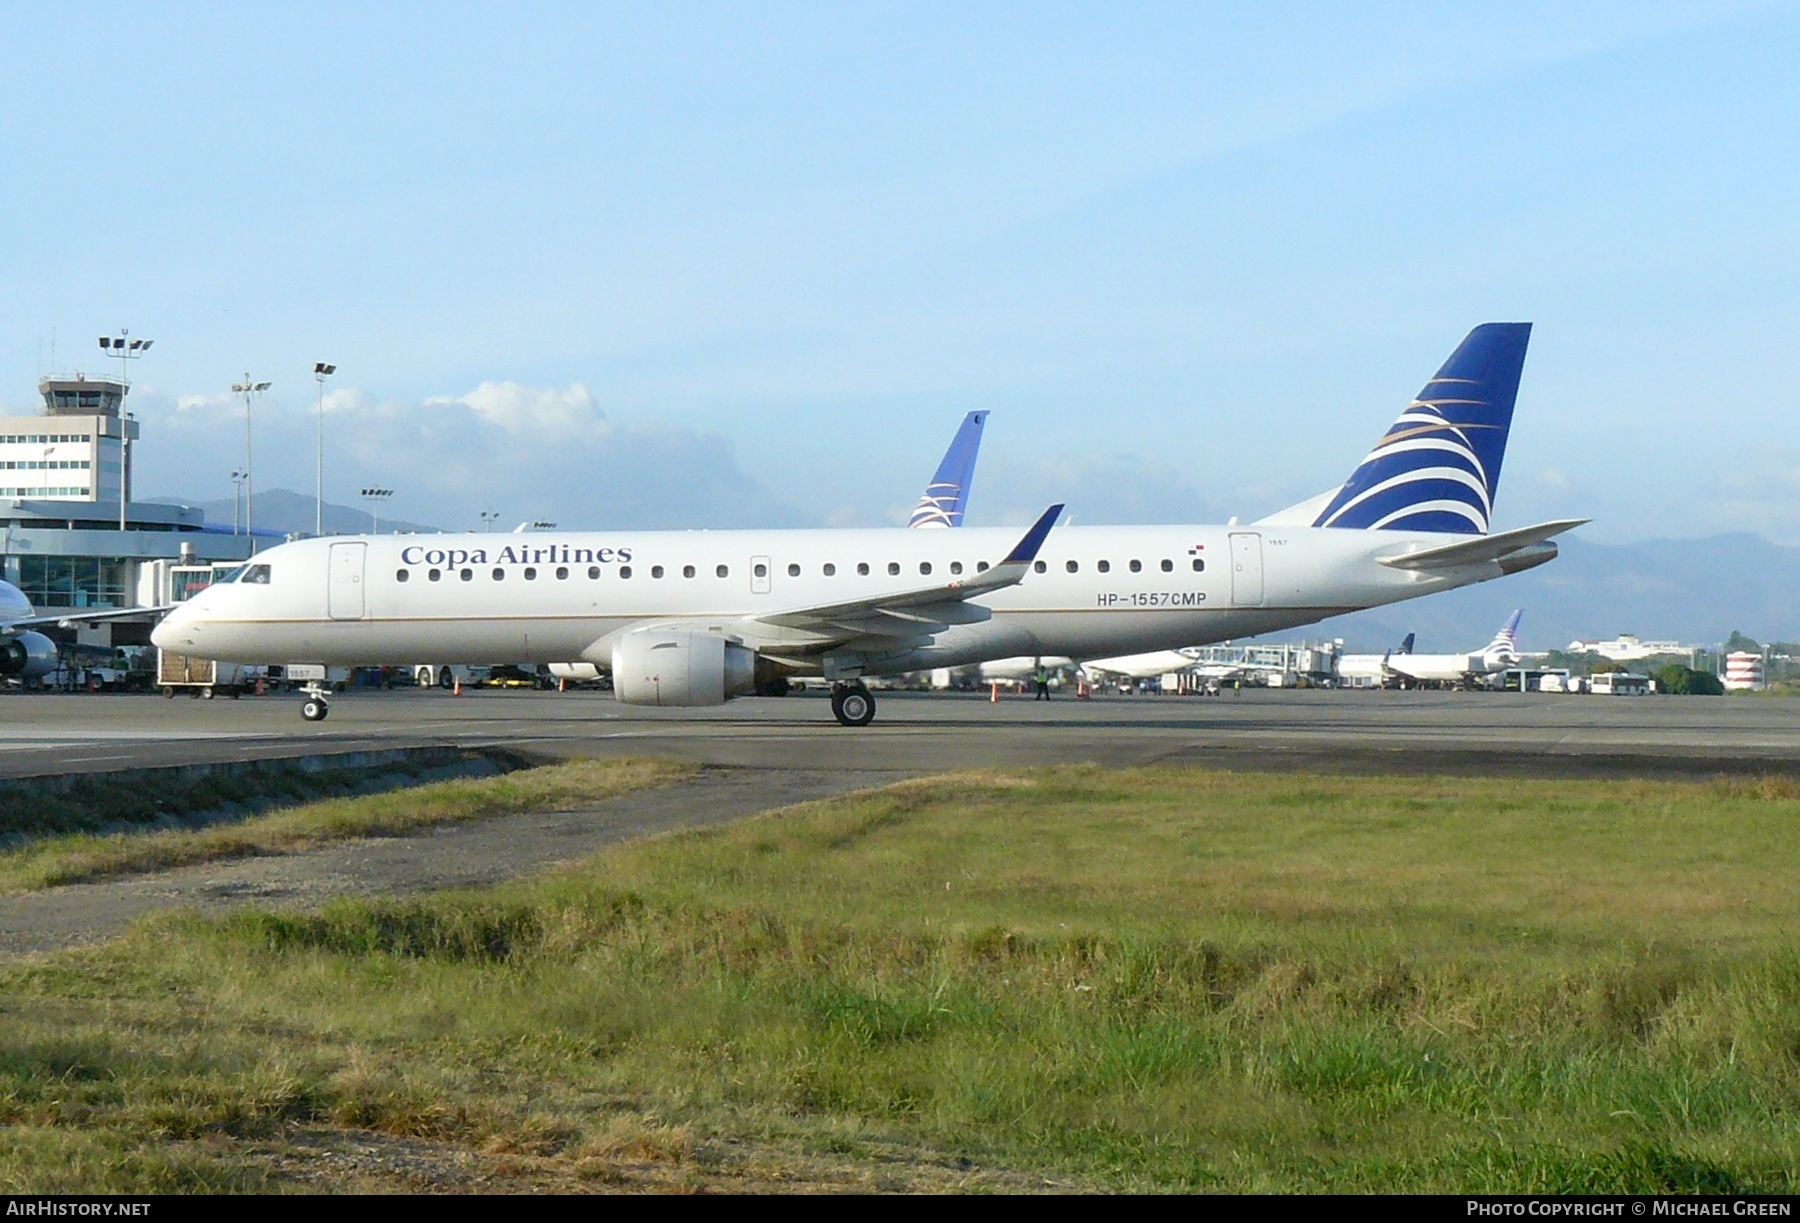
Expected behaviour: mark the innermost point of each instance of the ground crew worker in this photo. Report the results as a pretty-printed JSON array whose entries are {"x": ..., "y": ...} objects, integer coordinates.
[{"x": 1043, "y": 682}]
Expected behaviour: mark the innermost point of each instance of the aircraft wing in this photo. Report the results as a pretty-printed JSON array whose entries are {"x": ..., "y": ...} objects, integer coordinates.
[
  {"x": 923, "y": 611},
  {"x": 1485, "y": 548},
  {"x": 71, "y": 619}
]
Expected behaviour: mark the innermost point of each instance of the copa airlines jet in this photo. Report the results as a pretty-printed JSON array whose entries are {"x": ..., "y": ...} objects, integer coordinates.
[
  {"x": 689, "y": 618},
  {"x": 1402, "y": 666}
]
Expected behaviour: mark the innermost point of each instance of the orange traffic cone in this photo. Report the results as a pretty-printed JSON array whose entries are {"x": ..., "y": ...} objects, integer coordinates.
[
  {"x": 994, "y": 695},
  {"x": 456, "y": 688}
]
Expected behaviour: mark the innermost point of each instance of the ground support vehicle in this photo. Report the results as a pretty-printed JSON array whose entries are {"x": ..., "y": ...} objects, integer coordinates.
[{"x": 202, "y": 677}]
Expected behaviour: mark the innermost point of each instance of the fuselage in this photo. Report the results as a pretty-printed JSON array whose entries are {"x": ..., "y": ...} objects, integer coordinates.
[
  {"x": 1094, "y": 592},
  {"x": 1433, "y": 668}
]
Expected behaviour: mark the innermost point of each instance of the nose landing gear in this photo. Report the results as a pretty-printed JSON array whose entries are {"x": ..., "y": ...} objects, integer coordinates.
[
  {"x": 315, "y": 708},
  {"x": 852, "y": 704}
]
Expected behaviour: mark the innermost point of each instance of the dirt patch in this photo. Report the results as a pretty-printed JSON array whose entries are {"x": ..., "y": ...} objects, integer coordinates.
[
  {"x": 475, "y": 854},
  {"x": 361, "y": 1161}
]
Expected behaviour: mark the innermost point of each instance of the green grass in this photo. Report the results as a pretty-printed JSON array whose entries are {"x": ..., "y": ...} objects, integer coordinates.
[
  {"x": 82, "y": 857},
  {"x": 1142, "y": 979}
]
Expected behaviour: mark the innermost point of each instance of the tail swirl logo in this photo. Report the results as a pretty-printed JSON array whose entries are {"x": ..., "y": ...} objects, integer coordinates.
[
  {"x": 937, "y": 508},
  {"x": 1424, "y": 473}
]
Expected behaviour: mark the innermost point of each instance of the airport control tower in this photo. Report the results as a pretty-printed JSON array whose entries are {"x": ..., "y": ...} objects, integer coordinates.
[
  {"x": 70, "y": 536},
  {"x": 77, "y": 450}
]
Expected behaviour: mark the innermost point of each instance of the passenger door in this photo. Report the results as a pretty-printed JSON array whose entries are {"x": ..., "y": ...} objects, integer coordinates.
[
  {"x": 344, "y": 598},
  {"x": 1246, "y": 570}
]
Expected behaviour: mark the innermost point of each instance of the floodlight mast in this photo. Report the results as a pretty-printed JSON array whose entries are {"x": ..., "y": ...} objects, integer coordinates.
[
  {"x": 321, "y": 371},
  {"x": 125, "y": 349},
  {"x": 375, "y": 496},
  {"x": 249, "y": 390},
  {"x": 237, "y": 499}
]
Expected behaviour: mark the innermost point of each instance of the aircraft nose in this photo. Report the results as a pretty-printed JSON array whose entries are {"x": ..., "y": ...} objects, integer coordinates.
[{"x": 173, "y": 630}]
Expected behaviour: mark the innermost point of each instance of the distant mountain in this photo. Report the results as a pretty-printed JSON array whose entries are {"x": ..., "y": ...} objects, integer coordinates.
[
  {"x": 280, "y": 509},
  {"x": 1690, "y": 590}
]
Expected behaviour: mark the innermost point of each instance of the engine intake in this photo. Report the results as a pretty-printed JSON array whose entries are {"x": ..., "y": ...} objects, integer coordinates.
[
  {"x": 677, "y": 667},
  {"x": 27, "y": 656}
]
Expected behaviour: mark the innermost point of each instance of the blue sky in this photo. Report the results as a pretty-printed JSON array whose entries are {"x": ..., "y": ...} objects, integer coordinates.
[{"x": 676, "y": 265}]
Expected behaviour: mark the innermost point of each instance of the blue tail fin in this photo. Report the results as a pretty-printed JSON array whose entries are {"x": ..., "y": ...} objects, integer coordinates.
[
  {"x": 1406, "y": 644},
  {"x": 1507, "y": 639},
  {"x": 948, "y": 493},
  {"x": 1438, "y": 468}
]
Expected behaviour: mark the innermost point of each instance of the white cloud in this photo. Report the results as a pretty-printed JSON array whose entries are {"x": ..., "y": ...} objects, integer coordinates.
[
  {"x": 525, "y": 452},
  {"x": 525, "y": 409}
]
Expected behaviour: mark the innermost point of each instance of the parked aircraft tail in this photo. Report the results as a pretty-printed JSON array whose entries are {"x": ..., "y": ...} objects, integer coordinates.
[
  {"x": 1406, "y": 644},
  {"x": 1506, "y": 640},
  {"x": 1438, "y": 467},
  {"x": 948, "y": 493}
]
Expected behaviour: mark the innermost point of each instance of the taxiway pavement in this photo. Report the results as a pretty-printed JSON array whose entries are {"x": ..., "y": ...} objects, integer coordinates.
[{"x": 1499, "y": 733}]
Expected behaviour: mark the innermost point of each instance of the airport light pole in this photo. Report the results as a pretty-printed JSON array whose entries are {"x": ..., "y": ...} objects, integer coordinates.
[
  {"x": 237, "y": 502},
  {"x": 375, "y": 496},
  {"x": 249, "y": 390},
  {"x": 321, "y": 371},
  {"x": 488, "y": 518},
  {"x": 125, "y": 349}
]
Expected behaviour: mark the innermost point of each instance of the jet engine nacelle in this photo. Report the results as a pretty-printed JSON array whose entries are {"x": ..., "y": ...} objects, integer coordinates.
[
  {"x": 27, "y": 656},
  {"x": 676, "y": 667}
]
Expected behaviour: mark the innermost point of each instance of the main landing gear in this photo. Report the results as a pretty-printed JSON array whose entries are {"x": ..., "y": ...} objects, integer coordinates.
[
  {"x": 852, "y": 704},
  {"x": 315, "y": 708}
]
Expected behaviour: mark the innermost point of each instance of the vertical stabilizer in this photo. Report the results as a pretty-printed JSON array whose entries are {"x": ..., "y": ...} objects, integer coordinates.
[
  {"x": 1438, "y": 467},
  {"x": 1506, "y": 641},
  {"x": 948, "y": 493}
]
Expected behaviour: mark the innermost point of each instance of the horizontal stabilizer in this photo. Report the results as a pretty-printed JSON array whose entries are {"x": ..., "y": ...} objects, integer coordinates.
[{"x": 1486, "y": 548}]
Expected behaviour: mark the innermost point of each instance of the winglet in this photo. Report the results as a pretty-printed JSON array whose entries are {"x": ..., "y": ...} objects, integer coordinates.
[{"x": 1026, "y": 550}]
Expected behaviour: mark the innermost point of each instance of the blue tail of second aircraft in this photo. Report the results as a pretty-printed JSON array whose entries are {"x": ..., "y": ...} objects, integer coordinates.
[
  {"x": 948, "y": 493},
  {"x": 1507, "y": 639},
  {"x": 1438, "y": 468}
]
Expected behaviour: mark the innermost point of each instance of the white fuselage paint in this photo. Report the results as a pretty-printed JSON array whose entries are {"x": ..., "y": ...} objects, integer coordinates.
[{"x": 340, "y": 600}]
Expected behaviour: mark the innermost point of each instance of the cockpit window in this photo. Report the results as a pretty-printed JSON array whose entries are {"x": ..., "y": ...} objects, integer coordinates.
[
  {"x": 255, "y": 575},
  {"x": 229, "y": 575}
]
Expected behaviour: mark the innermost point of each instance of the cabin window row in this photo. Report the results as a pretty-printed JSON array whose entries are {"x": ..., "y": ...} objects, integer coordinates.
[{"x": 761, "y": 570}]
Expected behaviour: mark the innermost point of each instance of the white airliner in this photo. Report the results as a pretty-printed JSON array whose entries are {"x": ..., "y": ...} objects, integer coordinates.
[
  {"x": 27, "y": 654},
  {"x": 692, "y": 618},
  {"x": 1158, "y": 663},
  {"x": 1404, "y": 667}
]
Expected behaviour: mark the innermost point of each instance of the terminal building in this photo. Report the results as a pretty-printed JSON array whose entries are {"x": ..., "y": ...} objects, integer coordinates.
[
  {"x": 1628, "y": 648},
  {"x": 73, "y": 538}
]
